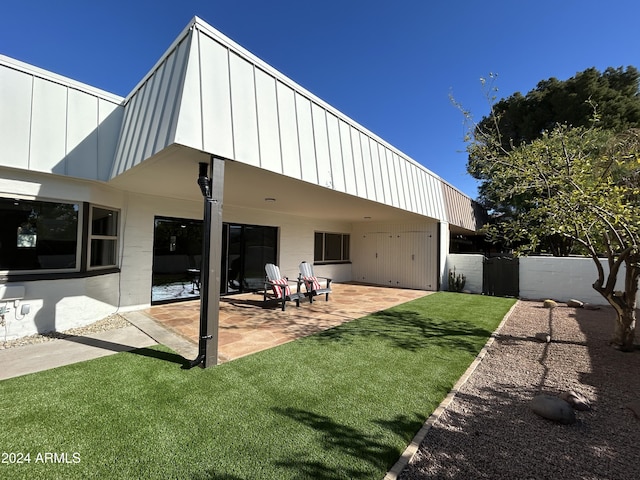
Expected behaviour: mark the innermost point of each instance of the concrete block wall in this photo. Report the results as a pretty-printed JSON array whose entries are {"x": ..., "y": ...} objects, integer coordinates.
[
  {"x": 558, "y": 278},
  {"x": 470, "y": 265},
  {"x": 562, "y": 278}
]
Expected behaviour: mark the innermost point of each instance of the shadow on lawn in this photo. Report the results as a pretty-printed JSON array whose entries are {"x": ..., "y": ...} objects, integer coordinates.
[
  {"x": 363, "y": 447},
  {"x": 119, "y": 347},
  {"x": 410, "y": 331}
]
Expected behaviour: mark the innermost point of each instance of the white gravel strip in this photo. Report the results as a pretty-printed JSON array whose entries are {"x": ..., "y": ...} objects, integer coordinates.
[
  {"x": 488, "y": 431},
  {"x": 109, "y": 323}
]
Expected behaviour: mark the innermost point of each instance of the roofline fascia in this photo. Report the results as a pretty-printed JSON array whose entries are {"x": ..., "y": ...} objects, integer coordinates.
[{"x": 59, "y": 79}]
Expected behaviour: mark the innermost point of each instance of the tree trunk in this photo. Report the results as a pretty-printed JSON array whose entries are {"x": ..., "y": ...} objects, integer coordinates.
[{"x": 625, "y": 329}]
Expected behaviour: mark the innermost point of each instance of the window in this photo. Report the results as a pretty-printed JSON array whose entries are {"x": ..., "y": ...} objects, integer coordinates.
[
  {"x": 331, "y": 247},
  {"x": 52, "y": 237},
  {"x": 103, "y": 238},
  {"x": 38, "y": 235}
]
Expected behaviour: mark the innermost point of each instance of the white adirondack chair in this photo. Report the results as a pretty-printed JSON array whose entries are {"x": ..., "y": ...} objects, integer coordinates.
[
  {"x": 312, "y": 283},
  {"x": 280, "y": 288}
]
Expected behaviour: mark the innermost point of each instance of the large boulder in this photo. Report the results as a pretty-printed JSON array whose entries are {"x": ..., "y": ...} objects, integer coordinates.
[
  {"x": 553, "y": 408},
  {"x": 548, "y": 303},
  {"x": 575, "y": 303}
]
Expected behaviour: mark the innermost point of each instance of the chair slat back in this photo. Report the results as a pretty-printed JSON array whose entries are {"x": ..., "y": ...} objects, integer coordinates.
[
  {"x": 273, "y": 272},
  {"x": 306, "y": 269}
]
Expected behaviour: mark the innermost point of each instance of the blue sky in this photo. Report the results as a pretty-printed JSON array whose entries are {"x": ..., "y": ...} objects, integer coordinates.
[{"x": 389, "y": 65}]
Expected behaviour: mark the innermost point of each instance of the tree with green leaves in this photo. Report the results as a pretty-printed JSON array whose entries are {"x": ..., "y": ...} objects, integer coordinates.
[
  {"x": 519, "y": 120},
  {"x": 577, "y": 183}
]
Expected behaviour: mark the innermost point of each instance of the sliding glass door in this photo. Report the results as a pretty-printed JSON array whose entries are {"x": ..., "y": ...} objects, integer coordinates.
[
  {"x": 246, "y": 250},
  {"x": 177, "y": 253}
]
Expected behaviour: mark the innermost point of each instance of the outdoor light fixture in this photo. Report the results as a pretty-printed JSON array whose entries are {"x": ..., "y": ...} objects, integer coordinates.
[
  {"x": 269, "y": 199},
  {"x": 203, "y": 180}
]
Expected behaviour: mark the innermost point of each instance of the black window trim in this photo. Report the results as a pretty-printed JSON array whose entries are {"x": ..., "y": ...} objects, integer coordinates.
[
  {"x": 334, "y": 261},
  {"x": 82, "y": 269}
]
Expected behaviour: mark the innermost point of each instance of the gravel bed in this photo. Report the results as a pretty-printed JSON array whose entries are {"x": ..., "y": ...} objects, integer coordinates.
[
  {"x": 109, "y": 323},
  {"x": 489, "y": 431}
]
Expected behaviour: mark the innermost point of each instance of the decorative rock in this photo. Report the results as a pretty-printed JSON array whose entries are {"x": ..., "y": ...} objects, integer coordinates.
[
  {"x": 575, "y": 303},
  {"x": 553, "y": 408},
  {"x": 588, "y": 306},
  {"x": 576, "y": 400},
  {"x": 543, "y": 337},
  {"x": 549, "y": 304}
]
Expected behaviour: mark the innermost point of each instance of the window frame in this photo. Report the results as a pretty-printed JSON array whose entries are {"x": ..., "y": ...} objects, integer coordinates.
[
  {"x": 79, "y": 237},
  {"x": 324, "y": 260},
  {"x": 83, "y": 241},
  {"x": 91, "y": 237}
]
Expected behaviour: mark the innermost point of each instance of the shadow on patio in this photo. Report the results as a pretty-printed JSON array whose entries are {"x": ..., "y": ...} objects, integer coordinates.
[{"x": 246, "y": 326}]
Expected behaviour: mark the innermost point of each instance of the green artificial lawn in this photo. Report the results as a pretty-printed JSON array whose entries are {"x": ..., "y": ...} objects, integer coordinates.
[{"x": 341, "y": 404}]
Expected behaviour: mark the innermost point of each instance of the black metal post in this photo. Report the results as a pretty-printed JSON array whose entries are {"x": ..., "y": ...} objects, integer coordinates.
[{"x": 212, "y": 191}]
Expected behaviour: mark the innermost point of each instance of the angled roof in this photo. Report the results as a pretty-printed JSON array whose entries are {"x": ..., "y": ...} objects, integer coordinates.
[{"x": 211, "y": 95}]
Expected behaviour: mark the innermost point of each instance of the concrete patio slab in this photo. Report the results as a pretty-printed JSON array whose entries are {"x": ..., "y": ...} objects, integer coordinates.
[
  {"x": 72, "y": 349},
  {"x": 248, "y": 325}
]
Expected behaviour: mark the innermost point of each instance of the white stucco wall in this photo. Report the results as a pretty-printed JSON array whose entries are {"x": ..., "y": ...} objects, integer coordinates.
[
  {"x": 557, "y": 278},
  {"x": 296, "y": 240},
  {"x": 57, "y": 305},
  {"x": 562, "y": 278},
  {"x": 470, "y": 266}
]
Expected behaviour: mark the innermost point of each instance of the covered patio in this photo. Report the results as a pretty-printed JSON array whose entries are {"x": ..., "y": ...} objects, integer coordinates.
[{"x": 247, "y": 325}]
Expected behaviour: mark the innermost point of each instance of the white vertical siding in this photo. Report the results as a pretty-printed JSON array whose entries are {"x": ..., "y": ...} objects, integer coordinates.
[
  {"x": 15, "y": 117},
  {"x": 277, "y": 125},
  {"x": 321, "y": 144},
  {"x": 48, "y": 125},
  {"x": 306, "y": 139},
  {"x": 82, "y": 138},
  {"x": 52, "y": 124},
  {"x": 370, "y": 186},
  {"x": 358, "y": 163},
  {"x": 110, "y": 118},
  {"x": 396, "y": 255},
  {"x": 268, "y": 128},
  {"x": 288, "y": 131},
  {"x": 335, "y": 153},
  {"x": 350, "y": 185},
  {"x": 245, "y": 125},
  {"x": 185, "y": 113},
  {"x": 392, "y": 199},
  {"x": 397, "y": 174},
  {"x": 151, "y": 112},
  {"x": 216, "y": 99}
]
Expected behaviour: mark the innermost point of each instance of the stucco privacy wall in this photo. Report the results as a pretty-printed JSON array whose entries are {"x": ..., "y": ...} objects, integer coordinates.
[
  {"x": 470, "y": 266},
  {"x": 562, "y": 278},
  {"x": 212, "y": 95},
  {"x": 558, "y": 278},
  {"x": 52, "y": 124}
]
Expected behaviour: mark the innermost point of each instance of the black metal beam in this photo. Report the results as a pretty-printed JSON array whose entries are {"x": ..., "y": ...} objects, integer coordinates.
[{"x": 212, "y": 188}]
